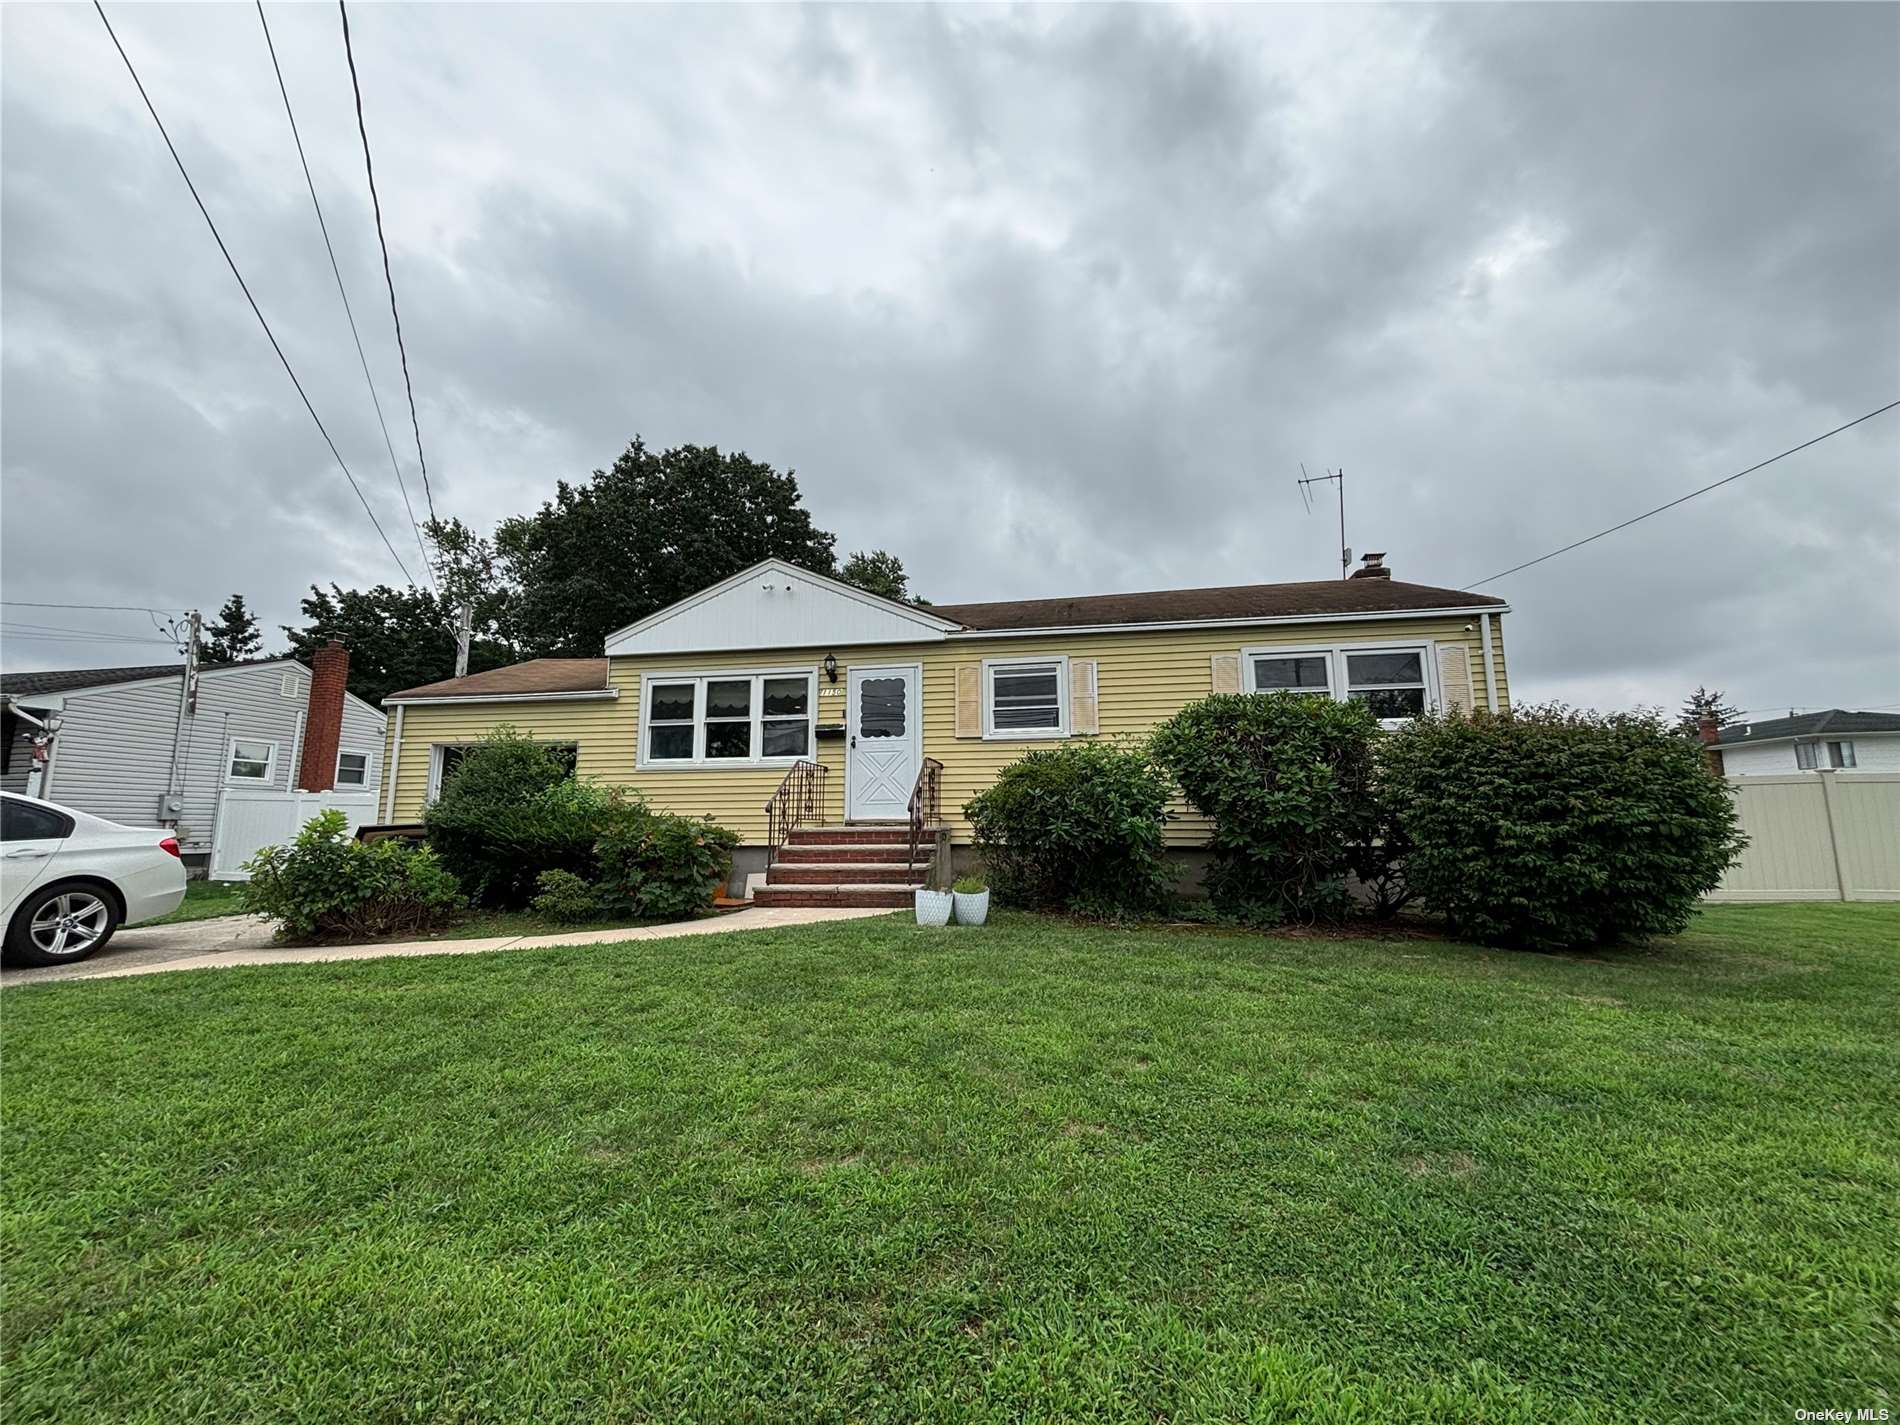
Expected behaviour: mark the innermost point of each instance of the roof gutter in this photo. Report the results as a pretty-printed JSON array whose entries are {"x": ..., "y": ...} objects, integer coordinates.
[
  {"x": 1250, "y": 621},
  {"x": 586, "y": 695}
]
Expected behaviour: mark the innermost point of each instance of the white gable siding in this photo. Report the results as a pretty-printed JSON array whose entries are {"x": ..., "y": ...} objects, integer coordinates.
[
  {"x": 1741, "y": 760},
  {"x": 1873, "y": 752},
  {"x": 113, "y": 756},
  {"x": 776, "y": 606}
]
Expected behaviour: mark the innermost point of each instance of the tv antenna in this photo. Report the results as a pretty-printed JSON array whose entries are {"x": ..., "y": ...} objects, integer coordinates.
[{"x": 1337, "y": 479}]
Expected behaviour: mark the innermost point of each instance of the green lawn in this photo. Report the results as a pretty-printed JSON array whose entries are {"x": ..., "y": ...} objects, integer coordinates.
[
  {"x": 204, "y": 900},
  {"x": 1030, "y": 1172}
]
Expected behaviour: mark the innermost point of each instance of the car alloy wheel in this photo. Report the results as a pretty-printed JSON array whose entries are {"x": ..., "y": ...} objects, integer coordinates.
[{"x": 71, "y": 923}]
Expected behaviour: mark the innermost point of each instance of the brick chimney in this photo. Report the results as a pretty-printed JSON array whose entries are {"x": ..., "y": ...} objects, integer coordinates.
[
  {"x": 1373, "y": 568},
  {"x": 323, "y": 720},
  {"x": 1709, "y": 733}
]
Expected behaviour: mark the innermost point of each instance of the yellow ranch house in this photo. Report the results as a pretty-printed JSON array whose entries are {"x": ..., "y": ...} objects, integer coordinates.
[{"x": 840, "y": 734}]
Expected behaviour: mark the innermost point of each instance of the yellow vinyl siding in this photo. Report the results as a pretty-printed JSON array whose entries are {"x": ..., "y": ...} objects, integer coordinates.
[
  {"x": 600, "y": 727},
  {"x": 1142, "y": 678}
]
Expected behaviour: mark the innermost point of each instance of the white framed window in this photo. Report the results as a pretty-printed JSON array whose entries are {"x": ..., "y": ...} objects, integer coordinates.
[
  {"x": 1805, "y": 757},
  {"x": 734, "y": 718},
  {"x": 1396, "y": 681},
  {"x": 1840, "y": 754},
  {"x": 1025, "y": 697},
  {"x": 352, "y": 769},
  {"x": 250, "y": 760},
  {"x": 1306, "y": 671}
]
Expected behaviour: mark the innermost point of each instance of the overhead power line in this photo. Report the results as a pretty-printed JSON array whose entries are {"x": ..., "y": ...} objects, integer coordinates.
[
  {"x": 255, "y": 309},
  {"x": 1682, "y": 499},
  {"x": 337, "y": 272},
  {"x": 102, "y": 608},
  {"x": 376, "y": 204}
]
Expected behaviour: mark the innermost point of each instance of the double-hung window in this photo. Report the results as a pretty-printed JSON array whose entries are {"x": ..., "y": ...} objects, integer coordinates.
[
  {"x": 1840, "y": 754},
  {"x": 1805, "y": 759},
  {"x": 726, "y": 719},
  {"x": 352, "y": 769},
  {"x": 250, "y": 761},
  {"x": 1026, "y": 697},
  {"x": 1390, "y": 682},
  {"x": 1394, "y": 681}
]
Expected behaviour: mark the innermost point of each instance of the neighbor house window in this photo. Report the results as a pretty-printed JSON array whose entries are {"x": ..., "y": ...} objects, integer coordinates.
[
  {"x": 1392, "y": 680},
  {"x": 1026, "y": 697},
  {"x": 1804, "y": 756},
  {"x": 1840, "y": 754},
  {"x": 250, "y": 761},
  {"x": 352, "y": 769},
  {"x": 727, "y": 719}
]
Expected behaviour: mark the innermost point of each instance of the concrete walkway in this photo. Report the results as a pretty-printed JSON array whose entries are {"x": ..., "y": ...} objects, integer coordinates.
[{"x": 245, "y": 940}]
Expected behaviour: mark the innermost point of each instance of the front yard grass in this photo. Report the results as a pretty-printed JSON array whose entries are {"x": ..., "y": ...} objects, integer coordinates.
[{"x": 862, "y": 1171}]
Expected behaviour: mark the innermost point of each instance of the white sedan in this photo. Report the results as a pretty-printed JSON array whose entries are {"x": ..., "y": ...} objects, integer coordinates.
[{"x": 69, "y": 880}]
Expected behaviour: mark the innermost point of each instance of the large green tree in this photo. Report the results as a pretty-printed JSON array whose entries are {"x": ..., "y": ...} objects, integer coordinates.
[
  {"x": 882, "y": 573},
  {"x": 232, "y": 636},
  {"x": 1703, "y": 703},
  {"x": 398, "y": 638},
  {"x": 654, "y": 528}
]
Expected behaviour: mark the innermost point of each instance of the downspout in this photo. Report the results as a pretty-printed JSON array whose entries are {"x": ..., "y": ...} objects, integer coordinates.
[
  {"x": 395, "y": 765},
  {"x": 1490, "y": 663}
]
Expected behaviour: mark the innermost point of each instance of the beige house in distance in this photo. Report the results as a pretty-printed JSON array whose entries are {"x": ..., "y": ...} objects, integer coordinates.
[{"x": 813, "y": 718}]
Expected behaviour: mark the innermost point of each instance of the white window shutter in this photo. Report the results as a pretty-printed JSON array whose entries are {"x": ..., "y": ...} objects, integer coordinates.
[
  {"x": 1226, "y": 672},
  {"x": 1083, "y": 713},
  {"x": 1454, "y": 677},
  {"x": 969, "y": 700}
]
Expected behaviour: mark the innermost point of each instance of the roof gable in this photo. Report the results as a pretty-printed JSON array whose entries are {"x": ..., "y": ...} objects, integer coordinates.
[{"x": 776, "y": 605}]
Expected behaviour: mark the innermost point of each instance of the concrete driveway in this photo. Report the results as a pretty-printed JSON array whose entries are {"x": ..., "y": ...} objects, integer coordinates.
[{"x": 246, "y": 940}]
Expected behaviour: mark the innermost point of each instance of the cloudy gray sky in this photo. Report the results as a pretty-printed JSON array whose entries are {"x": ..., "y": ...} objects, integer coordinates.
[{"x": 1045, "y": 300}]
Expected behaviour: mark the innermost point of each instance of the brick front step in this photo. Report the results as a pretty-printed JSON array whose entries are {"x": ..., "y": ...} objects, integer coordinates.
[
  {"x": 872, "y": 832},
  {"x": 856, "y": 873},
  {"x": 841, "y": 896},
  {"x": 849, "y": 854}
]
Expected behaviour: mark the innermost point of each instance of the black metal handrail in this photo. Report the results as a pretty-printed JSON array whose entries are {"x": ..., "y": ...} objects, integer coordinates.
[
  {"x": 800, "y": 797},
  {"x": 923, "y": 804}
]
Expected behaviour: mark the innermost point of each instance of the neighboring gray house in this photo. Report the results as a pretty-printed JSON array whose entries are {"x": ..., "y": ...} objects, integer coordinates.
[
  {"x": 125, "y": 750},
  {"x": 1835, "y": 740}
]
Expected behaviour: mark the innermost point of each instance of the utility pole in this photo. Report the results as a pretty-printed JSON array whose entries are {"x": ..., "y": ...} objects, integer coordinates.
[
  {"x": 1337, "y": 479},
  {"x": 463, "y": 633},
  {"x": 173, "y": 806}
]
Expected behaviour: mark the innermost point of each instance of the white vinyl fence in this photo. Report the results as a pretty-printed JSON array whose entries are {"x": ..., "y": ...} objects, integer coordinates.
[
  {"x": 1817, "y": 836},
  {"x": 249, "y": 820}
]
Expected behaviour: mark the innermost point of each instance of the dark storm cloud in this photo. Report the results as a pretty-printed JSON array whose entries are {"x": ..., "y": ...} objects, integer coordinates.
[{"x": 1044, "y": 300}]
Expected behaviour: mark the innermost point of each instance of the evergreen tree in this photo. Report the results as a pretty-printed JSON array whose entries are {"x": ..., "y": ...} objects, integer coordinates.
[{"x": 234, "y": 637}]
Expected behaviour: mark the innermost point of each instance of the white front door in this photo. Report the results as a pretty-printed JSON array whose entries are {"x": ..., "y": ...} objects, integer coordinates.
[{"x": 884, "y": 725}]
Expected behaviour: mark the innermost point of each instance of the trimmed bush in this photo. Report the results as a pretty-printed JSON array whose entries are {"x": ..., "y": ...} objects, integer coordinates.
[
  {"x": 327, "y": 884},
  {"x": 1548, "y": 828},
  {"x": 565, "y": 898},
  {"x": 1076, "y": 827},
  {"x": 513, "y": 810},
  {"x": 1287, "y": 781},
  {"x": 654, "y": 866}
]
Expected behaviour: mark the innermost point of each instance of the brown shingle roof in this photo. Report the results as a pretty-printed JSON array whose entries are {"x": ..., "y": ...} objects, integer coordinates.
[
  {"x": 1239, "y": 601},
  {"x": 537, "y": 675}
]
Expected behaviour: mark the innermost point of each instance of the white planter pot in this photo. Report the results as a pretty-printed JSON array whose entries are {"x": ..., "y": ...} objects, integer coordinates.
[
  {"x": 933, "y": 907},
  {"x": 973, "y": 907}
]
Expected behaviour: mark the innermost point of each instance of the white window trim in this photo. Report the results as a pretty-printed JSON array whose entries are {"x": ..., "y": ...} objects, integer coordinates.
[
  {"x": 699, "y": 761},
  {"x": 991, "y": 666},
  {"x": 269, "y": 779},
  {"x": 336, "y": 779},
  {"x": 436, "y": 749},
  {"x": 1337, "y": 679}
]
